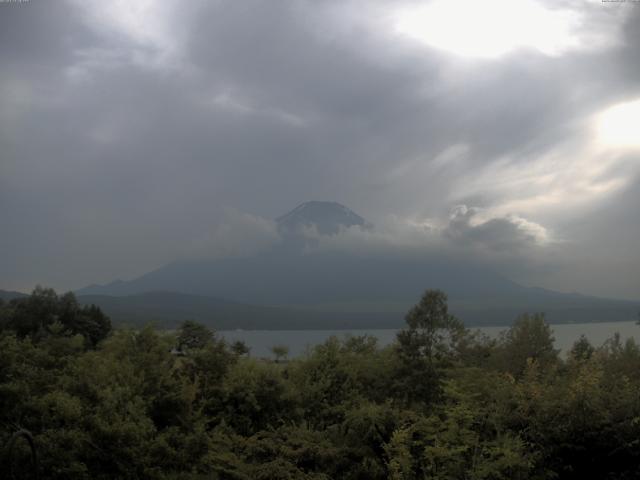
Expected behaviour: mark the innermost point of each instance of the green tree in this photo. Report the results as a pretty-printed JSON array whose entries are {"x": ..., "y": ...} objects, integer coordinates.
[
  {"x": 581, "y": 349},
  {"x": 193, "y": 335},
  {"x": 36, "y": 315},
  {"x": 256, "y": 397},
  {"x": 280, "y": 352},
  {"x": 458, "y": 440},
  {"x": 425, "y": 346},
  {"x": 31, "y": 316},
  {"x": 529, "y": 339},
  {"x": 240, "y": 348}
]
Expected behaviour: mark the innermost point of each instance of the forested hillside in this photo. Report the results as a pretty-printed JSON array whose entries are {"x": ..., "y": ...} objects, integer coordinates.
[{"x": 442, "y": 402}]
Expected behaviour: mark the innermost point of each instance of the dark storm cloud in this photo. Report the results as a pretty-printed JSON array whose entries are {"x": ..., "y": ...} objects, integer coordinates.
[{"x": 126, "y": 135}]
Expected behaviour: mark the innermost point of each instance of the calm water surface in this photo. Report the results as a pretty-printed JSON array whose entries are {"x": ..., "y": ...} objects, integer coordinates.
[{"x": 298, "y": 341}]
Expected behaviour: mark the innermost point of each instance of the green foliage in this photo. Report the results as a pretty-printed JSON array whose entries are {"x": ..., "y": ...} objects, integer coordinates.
[
  {"x": 280, "y": 352},
  {"x": 44, "y": 314},
  {"x": 256, "y": 397},
  {"x": 426, "y": 346},
  {"x": 432, "y": 331},
  {"x": 193, "y": 336},
  {"x": 240, "y": 348},
  {"x": 582, "y": 349},
  {"x": 441, "y": 403},
  {"x": 529, "y": 339}
]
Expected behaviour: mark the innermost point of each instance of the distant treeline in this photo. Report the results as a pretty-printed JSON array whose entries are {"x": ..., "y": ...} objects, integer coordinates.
[{"x": 442, "y": 402}]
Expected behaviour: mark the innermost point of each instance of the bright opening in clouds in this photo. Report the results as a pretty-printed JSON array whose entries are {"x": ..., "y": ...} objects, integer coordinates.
[
  {"x": 489, "y": 28},
  {"x": 129, "y": 127},
  {"x": 619, "y": 125}
]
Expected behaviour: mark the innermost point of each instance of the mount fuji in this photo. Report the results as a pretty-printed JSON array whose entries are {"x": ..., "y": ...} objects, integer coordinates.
[{"x": 337, "y": 289}]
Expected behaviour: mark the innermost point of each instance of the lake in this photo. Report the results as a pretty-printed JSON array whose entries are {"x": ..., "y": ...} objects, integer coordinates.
[{"x": 298, "y": 341}]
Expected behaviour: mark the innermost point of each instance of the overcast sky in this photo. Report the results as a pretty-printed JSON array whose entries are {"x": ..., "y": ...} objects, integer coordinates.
[{"x": 131, "y": 131}]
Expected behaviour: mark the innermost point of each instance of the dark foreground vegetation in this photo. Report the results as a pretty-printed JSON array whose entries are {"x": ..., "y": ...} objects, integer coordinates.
[{"x": 441, "y": 403}]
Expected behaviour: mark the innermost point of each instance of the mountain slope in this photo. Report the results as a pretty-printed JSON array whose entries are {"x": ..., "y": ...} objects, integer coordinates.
[
  {"x": 316, "y": 278},
  {"x": 168, "y": 309},
  {"x": 334, "y": 284},
  {"x": 7, "y": 295}
]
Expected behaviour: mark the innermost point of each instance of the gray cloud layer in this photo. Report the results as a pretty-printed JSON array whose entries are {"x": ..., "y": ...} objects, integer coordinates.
[{"x": 128, "y": 128}]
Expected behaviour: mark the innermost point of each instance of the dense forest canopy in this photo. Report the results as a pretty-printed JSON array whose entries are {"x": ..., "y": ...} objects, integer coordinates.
[{"x": 442, "y": 402}]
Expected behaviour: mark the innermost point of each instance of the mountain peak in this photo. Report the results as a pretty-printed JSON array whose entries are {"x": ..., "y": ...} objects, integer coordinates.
[{"x": 327, "y": 217}]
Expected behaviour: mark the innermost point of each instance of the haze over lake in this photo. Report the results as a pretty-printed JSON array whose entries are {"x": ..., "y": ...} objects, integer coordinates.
[{"x": 299, "y": 341}]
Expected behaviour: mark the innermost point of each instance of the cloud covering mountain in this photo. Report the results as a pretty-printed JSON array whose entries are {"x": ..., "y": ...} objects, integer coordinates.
[
  {"x": 129, "y": 129},
  {"x": 334, "y": 268}
]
